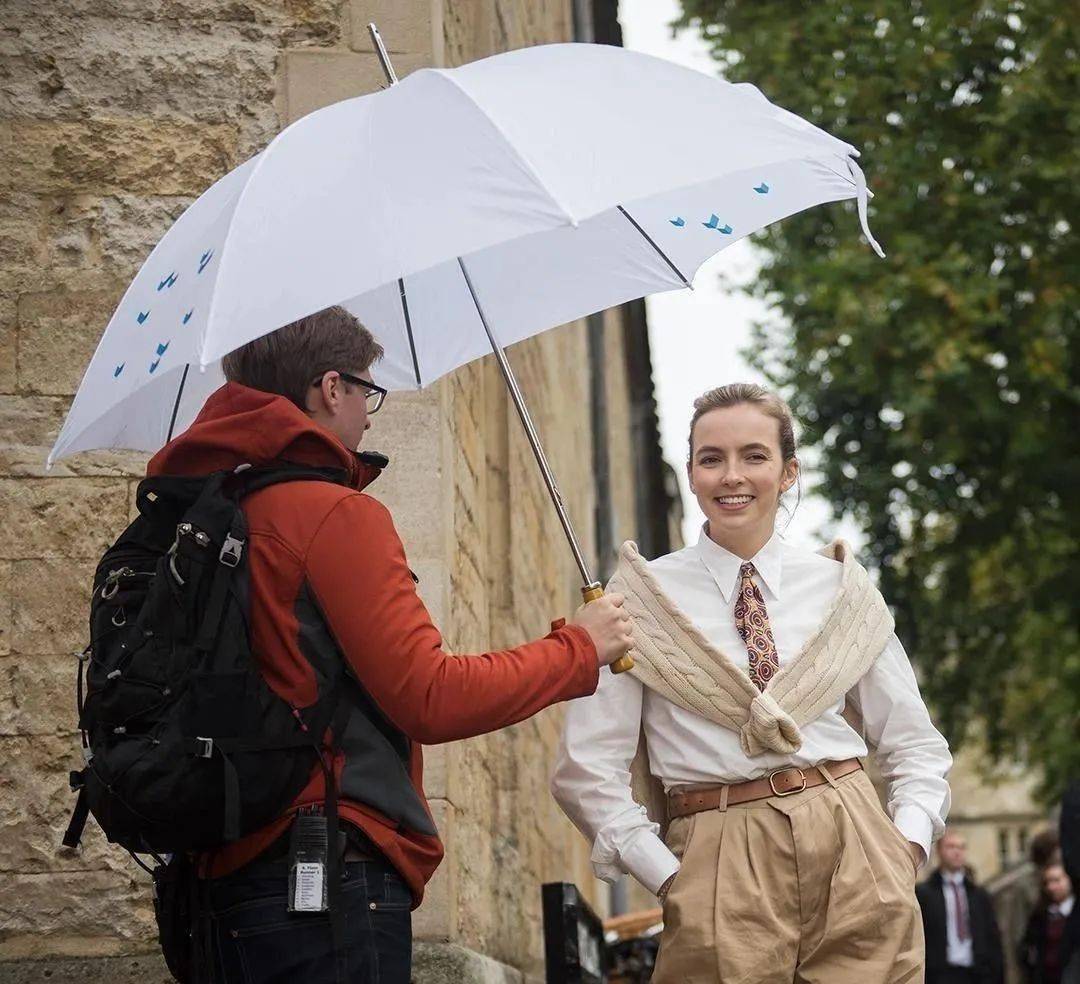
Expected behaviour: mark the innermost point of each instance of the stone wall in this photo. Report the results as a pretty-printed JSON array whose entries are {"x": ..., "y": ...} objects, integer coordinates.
[{"x": 114, "y": 114}]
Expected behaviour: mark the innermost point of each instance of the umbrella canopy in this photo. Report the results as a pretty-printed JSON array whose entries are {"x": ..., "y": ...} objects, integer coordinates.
[{"x": 538, "y": 186}]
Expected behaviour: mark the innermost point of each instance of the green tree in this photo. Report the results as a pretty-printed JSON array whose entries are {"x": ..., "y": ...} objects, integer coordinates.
[{"x": 942, "y": 385}]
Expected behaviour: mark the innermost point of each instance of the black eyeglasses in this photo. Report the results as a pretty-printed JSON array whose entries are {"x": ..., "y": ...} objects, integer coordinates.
[{"x": 375, "y": 394}]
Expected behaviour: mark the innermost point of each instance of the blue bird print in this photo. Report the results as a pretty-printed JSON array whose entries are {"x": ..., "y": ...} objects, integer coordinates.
[
  {"x": 154, "y": 365},
  {"x": 162, "y": 347},
  {"x": 678, "y": 221},
  {"x": 762, "y": 189},
  {"x": 168, "y": 281},
  {"x": 143, "y": 315},
  {"x": 714, "y": 223},
  {"x": 119, "y": 369},
  {"x": 187, "y": 317},
  {"x": 204, "y": 259}
]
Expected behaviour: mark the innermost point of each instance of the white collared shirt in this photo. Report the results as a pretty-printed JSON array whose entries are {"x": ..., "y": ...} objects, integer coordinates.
[
  {"x": 1063, "y": 909},
  {"x": 592, "y": 777},
  {"x": 958, "y": 952}
]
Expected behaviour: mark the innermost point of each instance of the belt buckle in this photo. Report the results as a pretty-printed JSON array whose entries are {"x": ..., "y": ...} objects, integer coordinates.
[{"x": 790, "y": 792}]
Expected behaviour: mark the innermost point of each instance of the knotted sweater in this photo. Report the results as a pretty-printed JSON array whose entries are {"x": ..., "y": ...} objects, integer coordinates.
[{"x": 673, "y": 658}]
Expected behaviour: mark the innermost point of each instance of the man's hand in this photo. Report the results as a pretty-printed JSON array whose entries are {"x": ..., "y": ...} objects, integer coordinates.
[
  {"x": 661, "y": 892},
  {"x": 917, "y": 857},
  {"x": 608, "y": 625}
]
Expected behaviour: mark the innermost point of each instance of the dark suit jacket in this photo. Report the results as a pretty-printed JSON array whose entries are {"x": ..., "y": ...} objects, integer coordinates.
[
  {"x": 985, "y": 936},
  {"x": 1070, "y": 857},
  {"x": 1031, "y": 953}
]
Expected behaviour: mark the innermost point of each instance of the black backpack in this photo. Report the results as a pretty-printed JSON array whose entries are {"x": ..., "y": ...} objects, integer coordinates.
[{"x": 186, "y": 746}]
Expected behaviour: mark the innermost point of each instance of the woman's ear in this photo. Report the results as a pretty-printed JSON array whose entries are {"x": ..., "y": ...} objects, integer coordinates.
[{"x": 791, "y": 474}]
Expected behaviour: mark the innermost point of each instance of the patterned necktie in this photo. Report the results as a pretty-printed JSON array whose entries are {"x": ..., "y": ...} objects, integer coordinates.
[
  {"x": 752, "y": 621},
  {"x": 960, "y": 906}
]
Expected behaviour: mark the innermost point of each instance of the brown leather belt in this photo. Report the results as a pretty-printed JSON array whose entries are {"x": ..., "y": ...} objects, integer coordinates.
[{"x": 782, "y": 782}]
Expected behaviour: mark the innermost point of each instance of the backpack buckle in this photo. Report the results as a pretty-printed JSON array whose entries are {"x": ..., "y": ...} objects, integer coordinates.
[
  {"x": 231, "y": 551},
  {"x": 206, "y": 748}
]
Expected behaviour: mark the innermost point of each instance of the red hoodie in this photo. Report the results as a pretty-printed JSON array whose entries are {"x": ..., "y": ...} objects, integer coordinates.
[{"x": 328, "y": 576}]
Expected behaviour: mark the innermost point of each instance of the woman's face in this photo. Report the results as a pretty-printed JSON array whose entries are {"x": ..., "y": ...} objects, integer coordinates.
[{"x": 737, "y": 472}]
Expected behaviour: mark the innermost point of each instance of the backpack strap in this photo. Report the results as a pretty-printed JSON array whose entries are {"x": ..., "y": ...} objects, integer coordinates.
[
  {"x": 242, "y": 482},
  {"x": 75, "y": 827},
  {"x": 333, "y": 860}
]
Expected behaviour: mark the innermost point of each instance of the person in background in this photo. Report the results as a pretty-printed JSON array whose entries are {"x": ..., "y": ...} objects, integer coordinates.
[
  {"x": 1041, "y": 953},
  {"x": 963, "y": 942},
  {"x": 1070, "y": 859}
]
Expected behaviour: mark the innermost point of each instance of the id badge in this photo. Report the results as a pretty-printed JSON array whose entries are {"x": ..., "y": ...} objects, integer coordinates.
[{"x": 307, "y": 887}]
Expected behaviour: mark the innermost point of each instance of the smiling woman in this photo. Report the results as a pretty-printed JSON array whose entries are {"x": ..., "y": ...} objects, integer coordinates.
[
  {"x": 743, "y": 463},
  {"x": 764, "y": 673}
]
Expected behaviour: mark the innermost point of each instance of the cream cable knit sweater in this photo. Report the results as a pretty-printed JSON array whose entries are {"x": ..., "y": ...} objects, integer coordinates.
[{"x": 673, "y": 658}]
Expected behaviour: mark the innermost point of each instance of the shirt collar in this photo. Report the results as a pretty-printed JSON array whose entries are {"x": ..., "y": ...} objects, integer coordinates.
[
  {"x": 1064, "y": 908},
  {"x": 955, "y": 877},
  {"x": 724, "y": 566}
]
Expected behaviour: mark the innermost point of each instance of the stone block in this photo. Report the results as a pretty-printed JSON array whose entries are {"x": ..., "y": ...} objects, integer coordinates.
[
  {"x": 443, "y": 766},
  {"x": 51, "y": 601},
  {"x": 8, "y": 342},
  {"x": 97, "y": 913},
  {"x": 115, "y": 154},
  {"x": 315, "y": 78},
  {"x": 448, "y": 963},
  {"x": 410, "y": 429},
  {"x": 148, "y": 968},
  {"x": 38, "y": 695},
  {"x": 209, "y": 65},
  {"x": 59, "y": 331},
  {"x": 413, "y": 26},
  {"x": 36, "y": 804},
  {"x": 21, "y": 230},
  {"x": 71, "y": 517},
  {"x": 6, "y": 607},
  {"x": 437, "y": 917},
  {"x": 126, "y": 227},
  {"x": 30, "y": 425}
]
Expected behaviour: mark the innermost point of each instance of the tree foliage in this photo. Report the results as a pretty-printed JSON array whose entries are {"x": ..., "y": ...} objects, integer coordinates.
[{"x": 942, "y": 385}]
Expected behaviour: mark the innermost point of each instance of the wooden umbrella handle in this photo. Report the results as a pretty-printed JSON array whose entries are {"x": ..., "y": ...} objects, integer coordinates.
[{"x": 592, "y": 592}]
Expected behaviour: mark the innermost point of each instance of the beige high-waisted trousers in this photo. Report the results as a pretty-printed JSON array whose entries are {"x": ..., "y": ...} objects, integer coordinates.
[{"x": 814, "y": 888}]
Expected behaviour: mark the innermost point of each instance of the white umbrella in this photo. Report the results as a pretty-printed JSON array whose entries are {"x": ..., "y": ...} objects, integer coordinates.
[{"x": 506, "y": 196}]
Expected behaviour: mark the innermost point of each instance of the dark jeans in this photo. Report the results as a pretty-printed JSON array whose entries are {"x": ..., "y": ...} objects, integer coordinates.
[{"x": 255, "y": 940}]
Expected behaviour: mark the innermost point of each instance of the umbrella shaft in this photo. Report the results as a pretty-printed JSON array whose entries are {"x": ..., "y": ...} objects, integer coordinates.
[
  {"x": 530, "y": 433},
  {"x": 384, "y": 58},
  {"x": 507, "y": 371}
]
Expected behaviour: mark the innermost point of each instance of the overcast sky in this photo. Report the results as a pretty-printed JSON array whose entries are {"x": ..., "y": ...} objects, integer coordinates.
[{"x": 696, "y": 336}]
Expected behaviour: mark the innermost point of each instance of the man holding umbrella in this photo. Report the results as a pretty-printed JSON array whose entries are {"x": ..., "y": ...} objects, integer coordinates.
[
  {"x": 544, "y": 203},
  {"x": 329, "y": 579}
]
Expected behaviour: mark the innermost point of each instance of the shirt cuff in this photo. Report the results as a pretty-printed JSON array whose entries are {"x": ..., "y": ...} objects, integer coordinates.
[
  {"x": 646, "y": 857},
  {"x": 916, "y": 826}
]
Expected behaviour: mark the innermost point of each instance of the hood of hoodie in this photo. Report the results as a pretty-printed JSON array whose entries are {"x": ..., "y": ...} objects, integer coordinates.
[{"x": 239, "y": 425}]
